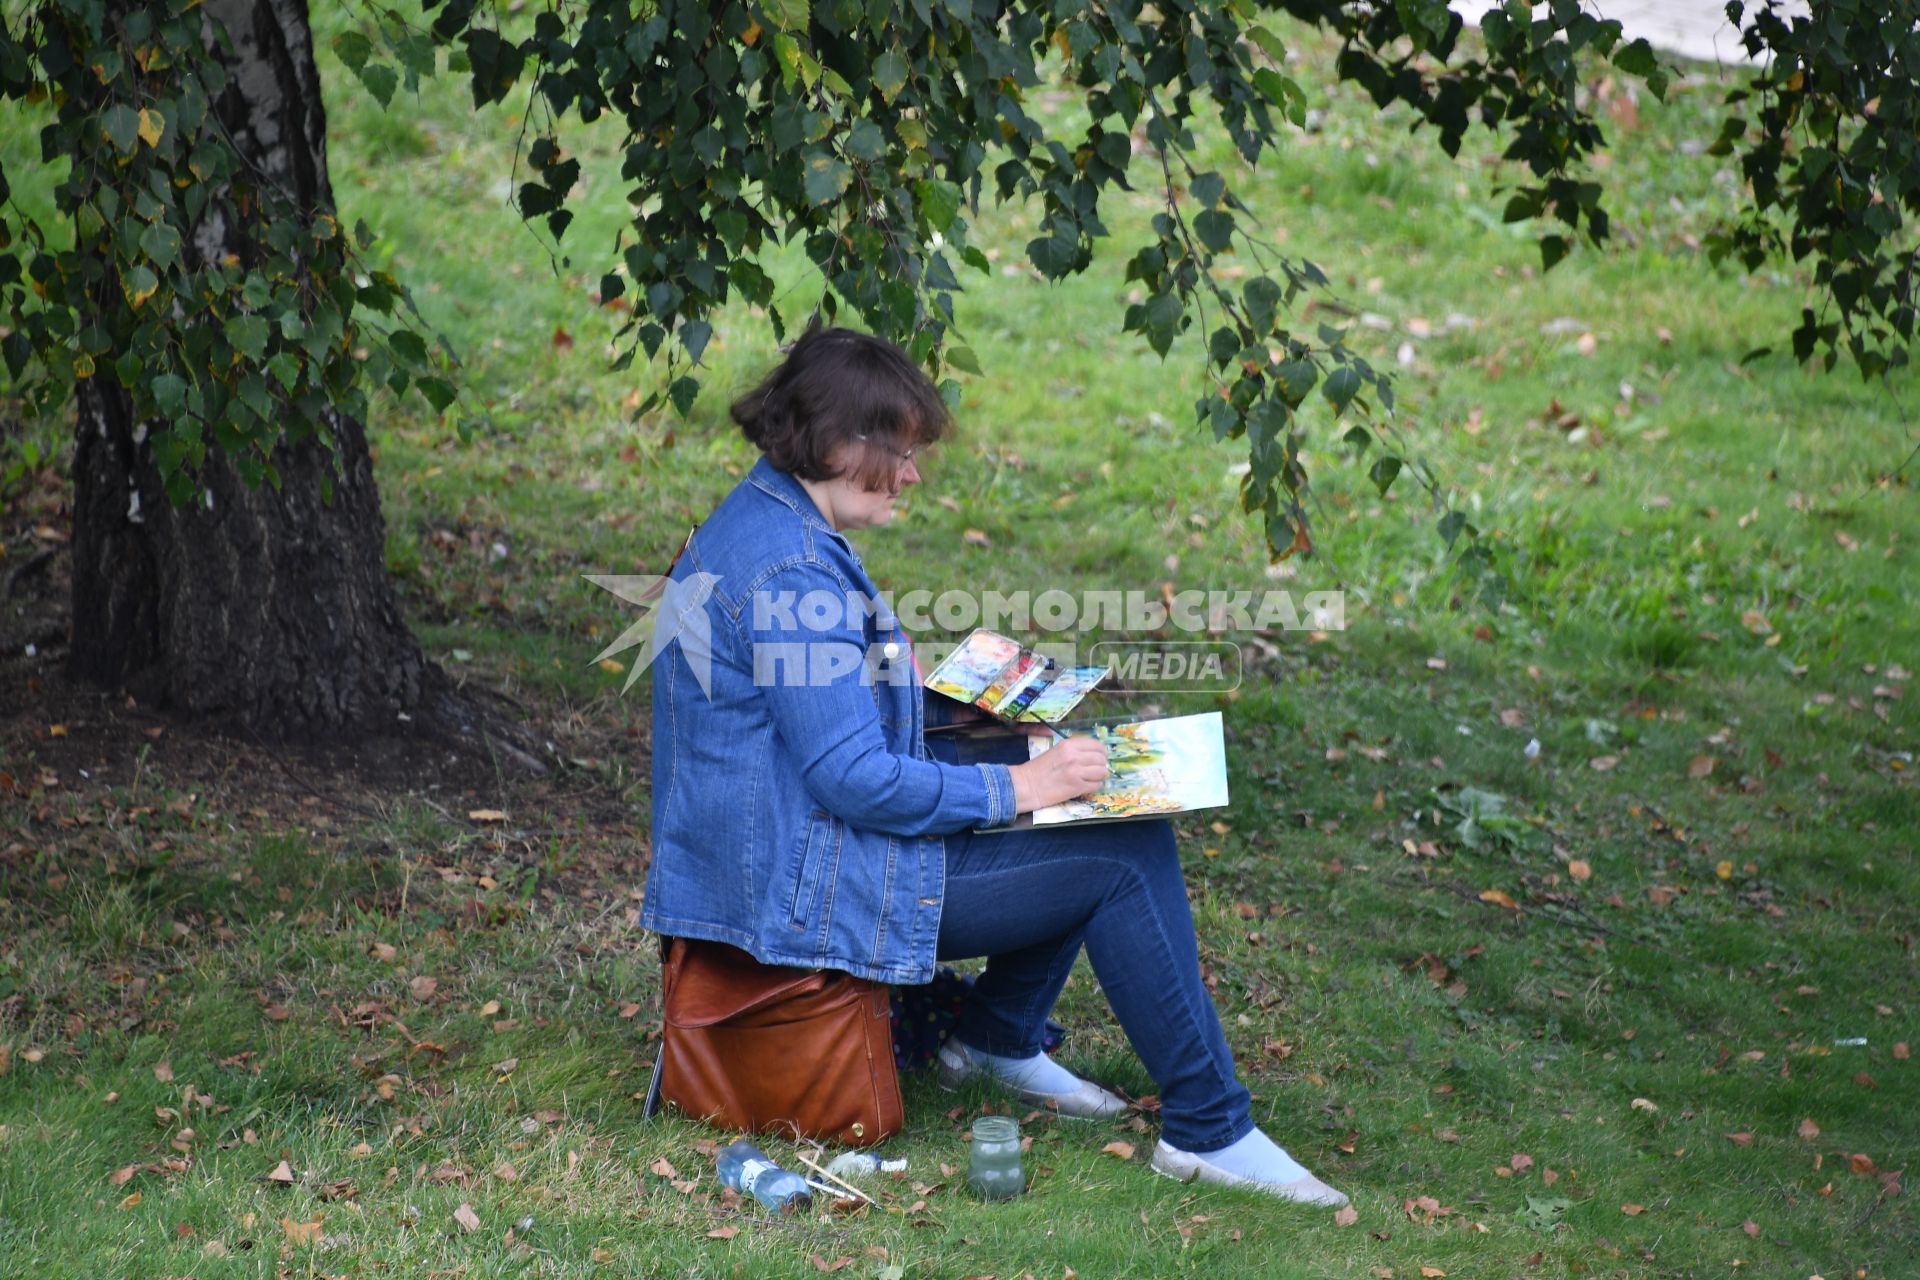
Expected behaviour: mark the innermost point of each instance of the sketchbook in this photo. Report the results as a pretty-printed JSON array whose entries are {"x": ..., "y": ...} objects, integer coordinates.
[
  {"x": 1158, "y": 767},
  {"x": 1004, "y": 678}
]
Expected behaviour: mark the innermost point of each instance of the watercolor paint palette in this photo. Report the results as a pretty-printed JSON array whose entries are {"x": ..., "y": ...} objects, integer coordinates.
[{"x": 1004, "y": 678}]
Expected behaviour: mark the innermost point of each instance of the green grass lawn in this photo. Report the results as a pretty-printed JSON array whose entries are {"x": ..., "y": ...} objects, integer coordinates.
[{"x": 1636, "y": 1006}]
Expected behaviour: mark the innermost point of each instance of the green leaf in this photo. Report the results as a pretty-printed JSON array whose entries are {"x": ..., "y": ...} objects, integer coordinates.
[
  {"x": 381, "y": 80},
  {"x": 963, "y": 359},
  {"x": 285, "y": 368},
  {"x": 1269, "y": 43},
  {"x": 1296, "y": 379},
  {"x": 827, "y": 178},
  {"x": 536, "y": 199},
  {"x": 1208, "y": 188},
  {"x": 1053, "y": 255},
  {"x": 1383, "y": 473},
  {"x": 1496, "y": 28},
  {"x": 1552, "y": 250},
  {"x": 1277, "y": 88},
  {"x": 353, "y": 49},
  {"x": 248, "y": 334},
  {"x": 438, "y": 391},
  {"x": 255, "y": 394},
  {"x": 890, "y": 75},
  {"x": 161, "y": 243},
  {"x": 865, "y": 141},
  {"x": 140, "y": 284},
  {"x": 682, "y": 392},
  {"x": 1268, "y": 419},
  {"x": 121, "y": 124},
  {"x": 939, "y": 200},
  {"x": 787, "y": 52},
  {"x": 1636, "y": 58},
  {"x": 791, "y": 15},
  {"x": 693, "y": 336},
  {"x": 1523, "y": 205},
  {"x": 408, "y": 345},
  {"x": 1263, "y": 301},
  {"x": 1215, "y": 229},
  {"x": 1451, "y": 526},
  {"x": 169, "y": 392},
  {"x": 1342, "y": 385},
  {"x": 1164, "y": 312},
  {"x": 1223, "y": 344}
]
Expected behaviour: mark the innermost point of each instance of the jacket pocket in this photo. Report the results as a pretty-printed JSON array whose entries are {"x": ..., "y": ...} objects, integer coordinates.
[{"x": 819, "y": 852}]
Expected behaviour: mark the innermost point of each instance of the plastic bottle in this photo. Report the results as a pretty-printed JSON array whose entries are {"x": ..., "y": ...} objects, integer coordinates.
[
  {"x": 863, "y": 1164},
  {"x": 746, "y": 1169}
]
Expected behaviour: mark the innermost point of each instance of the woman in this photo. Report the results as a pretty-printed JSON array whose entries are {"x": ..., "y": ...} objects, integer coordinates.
[{"x": 799, "y": 816}]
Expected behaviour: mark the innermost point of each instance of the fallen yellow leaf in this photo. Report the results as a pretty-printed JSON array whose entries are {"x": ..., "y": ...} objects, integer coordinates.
[{"x": 1124, "y": 1150}]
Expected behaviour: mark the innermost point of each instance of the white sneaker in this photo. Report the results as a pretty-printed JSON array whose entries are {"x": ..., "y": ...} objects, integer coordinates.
[
  {"x": 1088, "y": 1102},
  {"x": 1186, "y": 1166}
]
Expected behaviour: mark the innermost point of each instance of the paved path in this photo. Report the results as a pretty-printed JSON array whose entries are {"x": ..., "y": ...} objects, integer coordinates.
[{"x": 1690, "y": 28}]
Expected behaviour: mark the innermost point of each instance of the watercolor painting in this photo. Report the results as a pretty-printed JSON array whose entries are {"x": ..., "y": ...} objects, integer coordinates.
[
  {"x": 1158, "y": 766},
  {"x": 968, "y": 671}
]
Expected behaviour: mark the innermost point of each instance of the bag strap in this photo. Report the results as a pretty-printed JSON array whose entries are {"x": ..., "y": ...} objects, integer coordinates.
[{"x": 651, "y": 1107}]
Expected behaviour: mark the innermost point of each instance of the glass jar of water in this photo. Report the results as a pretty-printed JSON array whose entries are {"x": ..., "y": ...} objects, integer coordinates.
[{"x": 993, "y": 1170}]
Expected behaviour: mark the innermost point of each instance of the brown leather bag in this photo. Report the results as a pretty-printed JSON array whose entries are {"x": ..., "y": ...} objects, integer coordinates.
[{"x": 760, "y": 1048}]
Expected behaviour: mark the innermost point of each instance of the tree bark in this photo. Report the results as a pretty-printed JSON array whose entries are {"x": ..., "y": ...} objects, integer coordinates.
[{"x": 267, "y": 609}]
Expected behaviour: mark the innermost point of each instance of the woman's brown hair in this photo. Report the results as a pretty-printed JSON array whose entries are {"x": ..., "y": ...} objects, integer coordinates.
[{"x": 838, "y": 387}]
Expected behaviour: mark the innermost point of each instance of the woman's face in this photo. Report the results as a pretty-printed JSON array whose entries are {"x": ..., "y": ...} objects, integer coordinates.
[{"x": 847, "y": 504}]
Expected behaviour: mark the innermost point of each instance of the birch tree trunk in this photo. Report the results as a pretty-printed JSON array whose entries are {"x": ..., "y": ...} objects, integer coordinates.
[{"x": 262, "y": 608}]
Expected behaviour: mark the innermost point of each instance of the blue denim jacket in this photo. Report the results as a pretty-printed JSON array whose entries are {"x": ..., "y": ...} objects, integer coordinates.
[{"x": 796, "y": 811}]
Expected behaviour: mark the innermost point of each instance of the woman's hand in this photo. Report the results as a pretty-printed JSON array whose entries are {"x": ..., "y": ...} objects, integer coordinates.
[{"x": 1071, "y": 768}]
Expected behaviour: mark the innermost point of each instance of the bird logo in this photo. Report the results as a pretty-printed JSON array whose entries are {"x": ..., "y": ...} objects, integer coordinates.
[{"x": 669, "y": 611}]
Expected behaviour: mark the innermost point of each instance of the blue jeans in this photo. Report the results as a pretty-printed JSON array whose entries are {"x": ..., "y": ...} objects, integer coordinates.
[{"x": 1029, "y": 899}]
